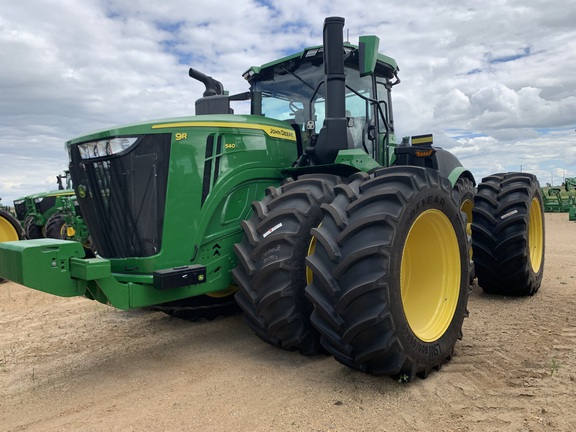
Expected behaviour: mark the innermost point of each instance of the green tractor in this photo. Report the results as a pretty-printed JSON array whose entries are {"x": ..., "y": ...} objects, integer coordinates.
[
  {"x": 41, "y": 214},
  {"x": 73, "y": 226},
  {"x": 307, "y": 214},
  {"x": 570, "y": 186}
]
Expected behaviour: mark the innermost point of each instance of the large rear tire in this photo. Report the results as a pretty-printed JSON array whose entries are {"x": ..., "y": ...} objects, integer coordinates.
[
  {"x": 508, "y": 234},
  {"x": 10, "y": 229},
  {"x": 390, "y": 272},
  {"x": 271, "y": 274}
]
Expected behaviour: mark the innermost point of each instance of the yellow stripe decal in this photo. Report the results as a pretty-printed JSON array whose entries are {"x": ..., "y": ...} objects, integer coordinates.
[
  {"x": 274, "y": 132},
  {"x": 57, "y": 194},
  {"x": 422, "y": 139}
]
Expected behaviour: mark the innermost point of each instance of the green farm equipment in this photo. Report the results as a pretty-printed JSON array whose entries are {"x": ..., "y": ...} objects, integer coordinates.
[
  {"x": 41, "y": 214},
  {"x": 5, "y": 208},
  {"x": 570, "y": 186},
  {"x": 74, "y": 227},
  {"x": 306, "y": 213},
  {"x": 555, "y": 201}
]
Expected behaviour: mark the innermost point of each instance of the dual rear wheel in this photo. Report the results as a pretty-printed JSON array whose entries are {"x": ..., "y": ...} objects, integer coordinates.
[
  {"x": 390, "y": 284},
  {"x": 376, "y": 269},
  {"x": 508, "y": 234}
]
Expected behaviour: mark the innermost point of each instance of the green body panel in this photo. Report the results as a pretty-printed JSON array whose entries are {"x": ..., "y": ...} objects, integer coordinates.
[
  {"x": 356, "y": 158},
  {"x": 459, "y": 172},
  {"x": 42, "y": 264},
  {"x": 203, "y": 233},
  {"x": 251, "y": 155}
]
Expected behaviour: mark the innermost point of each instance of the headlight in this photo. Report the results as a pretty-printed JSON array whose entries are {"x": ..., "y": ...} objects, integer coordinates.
[
  {"x": 38, "y": 200},
  {"x": 18, "y": 202},
  {"x": 107, "y": 147}
]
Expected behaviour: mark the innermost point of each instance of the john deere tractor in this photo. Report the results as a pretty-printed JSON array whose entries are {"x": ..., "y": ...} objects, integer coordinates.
[
  {"x": 41, "y": 213},
  {"x": 306, "y": 213}
]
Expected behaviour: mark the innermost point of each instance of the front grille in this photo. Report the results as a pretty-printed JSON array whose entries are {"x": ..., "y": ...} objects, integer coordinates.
[
  {"x": 44, "y": 204},
  {"x": 20, "y": 210},
  {"x": 122, "y": 197}
]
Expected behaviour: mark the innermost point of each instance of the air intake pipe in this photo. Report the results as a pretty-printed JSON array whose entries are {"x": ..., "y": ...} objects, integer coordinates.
[{"x": 334, "y": 135}]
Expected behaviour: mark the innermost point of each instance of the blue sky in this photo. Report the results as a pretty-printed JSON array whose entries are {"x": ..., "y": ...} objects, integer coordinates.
[{"x": 494, "y": 80}]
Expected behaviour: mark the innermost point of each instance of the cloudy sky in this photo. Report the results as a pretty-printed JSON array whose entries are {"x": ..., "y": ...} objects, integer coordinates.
[{"x": 494, "y": 80}]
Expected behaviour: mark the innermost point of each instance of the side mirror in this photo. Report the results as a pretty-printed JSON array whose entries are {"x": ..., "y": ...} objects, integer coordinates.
[{"x": 368, "y": 54}]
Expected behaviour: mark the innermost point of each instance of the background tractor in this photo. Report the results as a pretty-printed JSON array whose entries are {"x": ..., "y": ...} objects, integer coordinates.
[
  {"x": 41, "y": 214},
  {"x": 306, "y": 213}
]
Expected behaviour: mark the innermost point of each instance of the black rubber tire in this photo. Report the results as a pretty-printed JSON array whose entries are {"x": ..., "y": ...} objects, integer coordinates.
[
  {"x": 374, "y": 298},
  {"x": 199, "y": 308},
  {"x": 508, "y": 234},
  {"x": 10, "y": 230},
  {"x": 31, "y": 230},
  {"x": 56, "y": 227},
  {"x": 464, "y": 187},
  {"x": 271, "y": 274}
]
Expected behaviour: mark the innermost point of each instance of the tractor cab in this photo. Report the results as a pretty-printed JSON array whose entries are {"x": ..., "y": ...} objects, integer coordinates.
[{"x": 295, "y": 89}]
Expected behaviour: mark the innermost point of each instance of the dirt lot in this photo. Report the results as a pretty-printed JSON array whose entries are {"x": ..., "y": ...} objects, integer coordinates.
[{"x": 74, "y": 364}]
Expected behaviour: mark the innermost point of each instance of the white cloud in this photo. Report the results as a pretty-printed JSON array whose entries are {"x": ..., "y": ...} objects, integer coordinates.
[{"x": 491, "y": 79}]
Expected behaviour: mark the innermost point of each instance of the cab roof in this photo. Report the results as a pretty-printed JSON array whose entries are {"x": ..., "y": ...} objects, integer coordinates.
[{"x": 385, "y": 66}]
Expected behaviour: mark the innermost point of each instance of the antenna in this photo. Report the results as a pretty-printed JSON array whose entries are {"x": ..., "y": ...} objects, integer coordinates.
[{"x": 347, "y": 35}]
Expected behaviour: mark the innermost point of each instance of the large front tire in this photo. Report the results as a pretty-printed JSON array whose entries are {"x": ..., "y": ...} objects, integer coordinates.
[
  {"x": 31, "y": 230},
  {"x": 56, "y": 227},
  {"x": 390, "y": 272},
  {"x": 508, "y": 234},
  {"x": 271, "y": 274}
]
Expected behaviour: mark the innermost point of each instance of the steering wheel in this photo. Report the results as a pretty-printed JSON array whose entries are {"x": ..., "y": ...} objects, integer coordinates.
[{"x": 293, "y": 107}]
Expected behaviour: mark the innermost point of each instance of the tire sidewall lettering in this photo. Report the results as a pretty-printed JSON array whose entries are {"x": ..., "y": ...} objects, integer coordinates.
[{"x": 426, "y": 203}]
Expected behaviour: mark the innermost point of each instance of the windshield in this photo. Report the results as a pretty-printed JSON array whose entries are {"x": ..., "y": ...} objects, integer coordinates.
[{"x": 298, "y": 96}]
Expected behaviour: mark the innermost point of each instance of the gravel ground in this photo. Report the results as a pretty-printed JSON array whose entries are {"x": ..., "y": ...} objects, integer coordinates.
[{"x": 77, "y": 365}]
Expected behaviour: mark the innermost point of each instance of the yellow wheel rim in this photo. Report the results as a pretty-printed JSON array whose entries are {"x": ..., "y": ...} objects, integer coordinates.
[
  {"x": 7, "y": 231},
  {"x": 466, "y": 207},
  {"x": 309, "y": 273},
  {"x": 223, "y": 293},
  {"x": 536, "y": 235},
  {"x": 430, "y": 275}
]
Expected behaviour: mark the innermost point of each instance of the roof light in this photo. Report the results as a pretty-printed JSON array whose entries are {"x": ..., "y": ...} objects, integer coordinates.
[{"x": 312, "y": 52}]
